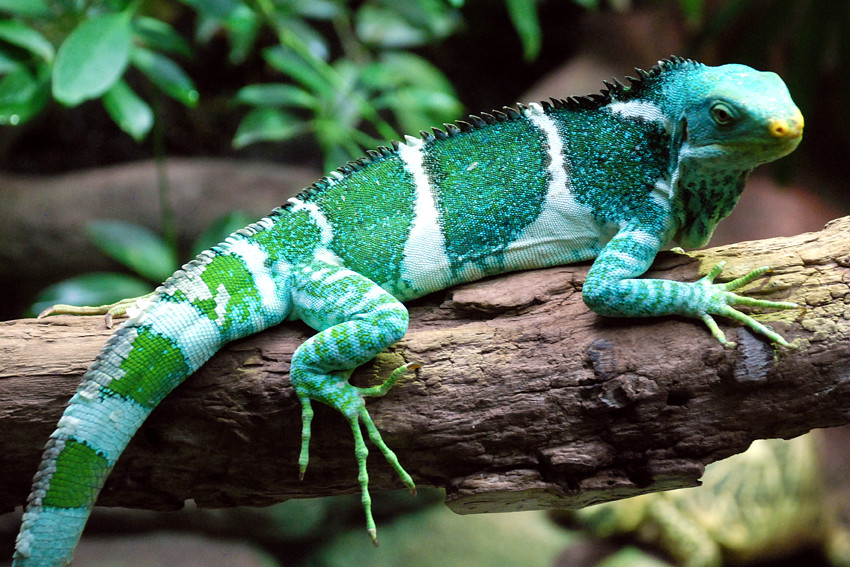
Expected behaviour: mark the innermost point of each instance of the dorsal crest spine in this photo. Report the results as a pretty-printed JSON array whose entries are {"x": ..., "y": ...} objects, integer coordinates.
[{"x": 614, "y": 90}]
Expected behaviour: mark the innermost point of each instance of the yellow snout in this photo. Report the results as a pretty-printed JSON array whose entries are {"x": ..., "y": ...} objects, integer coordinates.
[{"x": 787, "y": 128}]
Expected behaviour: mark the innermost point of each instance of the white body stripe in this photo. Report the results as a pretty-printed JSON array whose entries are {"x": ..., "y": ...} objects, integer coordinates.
[
  {"x": 255, "y": 260},
  {"x": 565, "y": 231},
  {"x": 84, "y": 420},
  {"x": 107, "y": 367},
  {"x": 558, "y": 176},
  {"x": 318, "y": 217},
  {"x": 194, "y": 287},
  {"x": 645, "y": 238},
  {"x": 665, "y": 187},
  {"x": 425, "y": 264},
  {"x": 640, "y": 109},
  {"x": 199, "y": 337},
  {"x": 222, "y": 297},
  {"x": 322, "y": 253},
  {"x": 627, "y": 259}
]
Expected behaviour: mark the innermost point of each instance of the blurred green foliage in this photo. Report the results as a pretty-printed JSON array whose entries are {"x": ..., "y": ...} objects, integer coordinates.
[
  {"x": 345, "y": 88},
  {"x": 73, "y": 51}
]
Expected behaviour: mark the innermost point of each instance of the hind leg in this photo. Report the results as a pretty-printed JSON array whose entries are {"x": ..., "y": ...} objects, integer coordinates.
[{"x": 356, "y": 320}]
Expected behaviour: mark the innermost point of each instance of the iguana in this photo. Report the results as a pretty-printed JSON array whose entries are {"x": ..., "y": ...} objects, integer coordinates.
[{"x": 612, "y": 176}]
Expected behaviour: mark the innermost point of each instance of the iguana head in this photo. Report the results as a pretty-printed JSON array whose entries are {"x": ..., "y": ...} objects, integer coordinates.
[
  {"x": 732, "y": 118},
  {"x": 739, "y": 118}
]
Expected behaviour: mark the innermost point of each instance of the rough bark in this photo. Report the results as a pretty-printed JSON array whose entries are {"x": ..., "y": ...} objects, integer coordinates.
[{"x": 526, "y": 399}]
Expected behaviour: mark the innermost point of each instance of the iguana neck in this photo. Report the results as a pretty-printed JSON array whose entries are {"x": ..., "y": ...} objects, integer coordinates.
[{"x": 704, "y": 196}]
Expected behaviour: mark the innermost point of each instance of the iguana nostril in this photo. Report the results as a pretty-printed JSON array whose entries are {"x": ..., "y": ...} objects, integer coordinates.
[
  {"x": 791, "y": 128},
  {"x": 779, "y": 128}
]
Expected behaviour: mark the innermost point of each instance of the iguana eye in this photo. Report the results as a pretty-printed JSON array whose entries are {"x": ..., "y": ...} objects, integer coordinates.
[{"x": 722, "y": 113}]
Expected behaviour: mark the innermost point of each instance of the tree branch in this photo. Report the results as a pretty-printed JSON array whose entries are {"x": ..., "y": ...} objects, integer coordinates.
[{"x": 526, "y": 399}]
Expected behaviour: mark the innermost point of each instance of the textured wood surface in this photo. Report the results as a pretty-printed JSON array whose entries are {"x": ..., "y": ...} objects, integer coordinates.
[{"x": 526, "y": 398}]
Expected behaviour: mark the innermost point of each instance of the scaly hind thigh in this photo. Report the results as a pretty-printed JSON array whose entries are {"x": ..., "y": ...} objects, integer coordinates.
[{"x": 356, "y": 320}]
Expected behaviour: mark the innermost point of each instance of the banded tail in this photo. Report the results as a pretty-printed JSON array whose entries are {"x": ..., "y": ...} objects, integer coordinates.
[{"x": 225, "y": 293}]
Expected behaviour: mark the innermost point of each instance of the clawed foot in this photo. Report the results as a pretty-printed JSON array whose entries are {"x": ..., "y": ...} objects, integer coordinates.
[
  {"x": 110, "y": 312},
  {"x": 355, "y": 418},
  {"x": 723, "y": 299}
]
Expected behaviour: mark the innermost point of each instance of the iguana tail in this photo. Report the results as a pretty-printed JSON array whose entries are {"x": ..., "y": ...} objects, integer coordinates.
[{"x": 223, "y": 294}]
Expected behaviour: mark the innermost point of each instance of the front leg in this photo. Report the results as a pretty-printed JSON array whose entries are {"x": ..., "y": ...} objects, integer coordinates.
[
  {"x": 356, "y": 320},
  {"x": 611, "y": 288}
]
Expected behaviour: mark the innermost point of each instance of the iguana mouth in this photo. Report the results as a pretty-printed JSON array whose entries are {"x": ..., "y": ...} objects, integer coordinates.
[
  {"x": 779, "y": 147},
  {"x": 761, "y": 150}
]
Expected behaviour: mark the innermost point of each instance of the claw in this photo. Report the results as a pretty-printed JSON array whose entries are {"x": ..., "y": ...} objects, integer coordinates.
[
  {"x": 716, "y": 332},
  {"x": 381, "y": 389},
  {"x": 355, "y": 420},
  {"x": 715, "y": 271}
]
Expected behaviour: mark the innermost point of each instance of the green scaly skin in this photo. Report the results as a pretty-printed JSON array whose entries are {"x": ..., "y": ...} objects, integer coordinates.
[{"x": 613, "y": 176}]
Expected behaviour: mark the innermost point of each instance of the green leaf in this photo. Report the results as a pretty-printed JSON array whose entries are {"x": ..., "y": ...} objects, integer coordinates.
[
  {"x": 314, "y": 42},
  {"x": 242, "y": 28},
  {"x": 267, "y": 124},
  {"x": 405, "y": 24},
  {"x": 218, "y": 9},
  {"x": 134, "y": 246},
  {"x": 221, "y": 228},
  {"x": 27, "y": 38},
  {"x": 417, "y": 109},
  {"x": 380, "y": 26},
  {"x": 206, "y": 28},
  {"x": 92, "y": 58},
  {"x": 131, "y": 113},
  {"x": 98, "y": 288},
  {"x": 166, "y": 74},
  {"x": 524, "y": 17},
  {"x": 336, "y": 154},
  {"x": 289, "y": 63},
  {"x": 416, "y": 92},
  {"x": 162, "y": 36},
  {"x": 317, "y": 9},
  {"x": 22, "y": 96},
  {"x": 410, "y": 69},
  {"x": 26, "y": 8},
  {"x": 8, "y": 64},
  {"x": 275, "y": 94}
]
